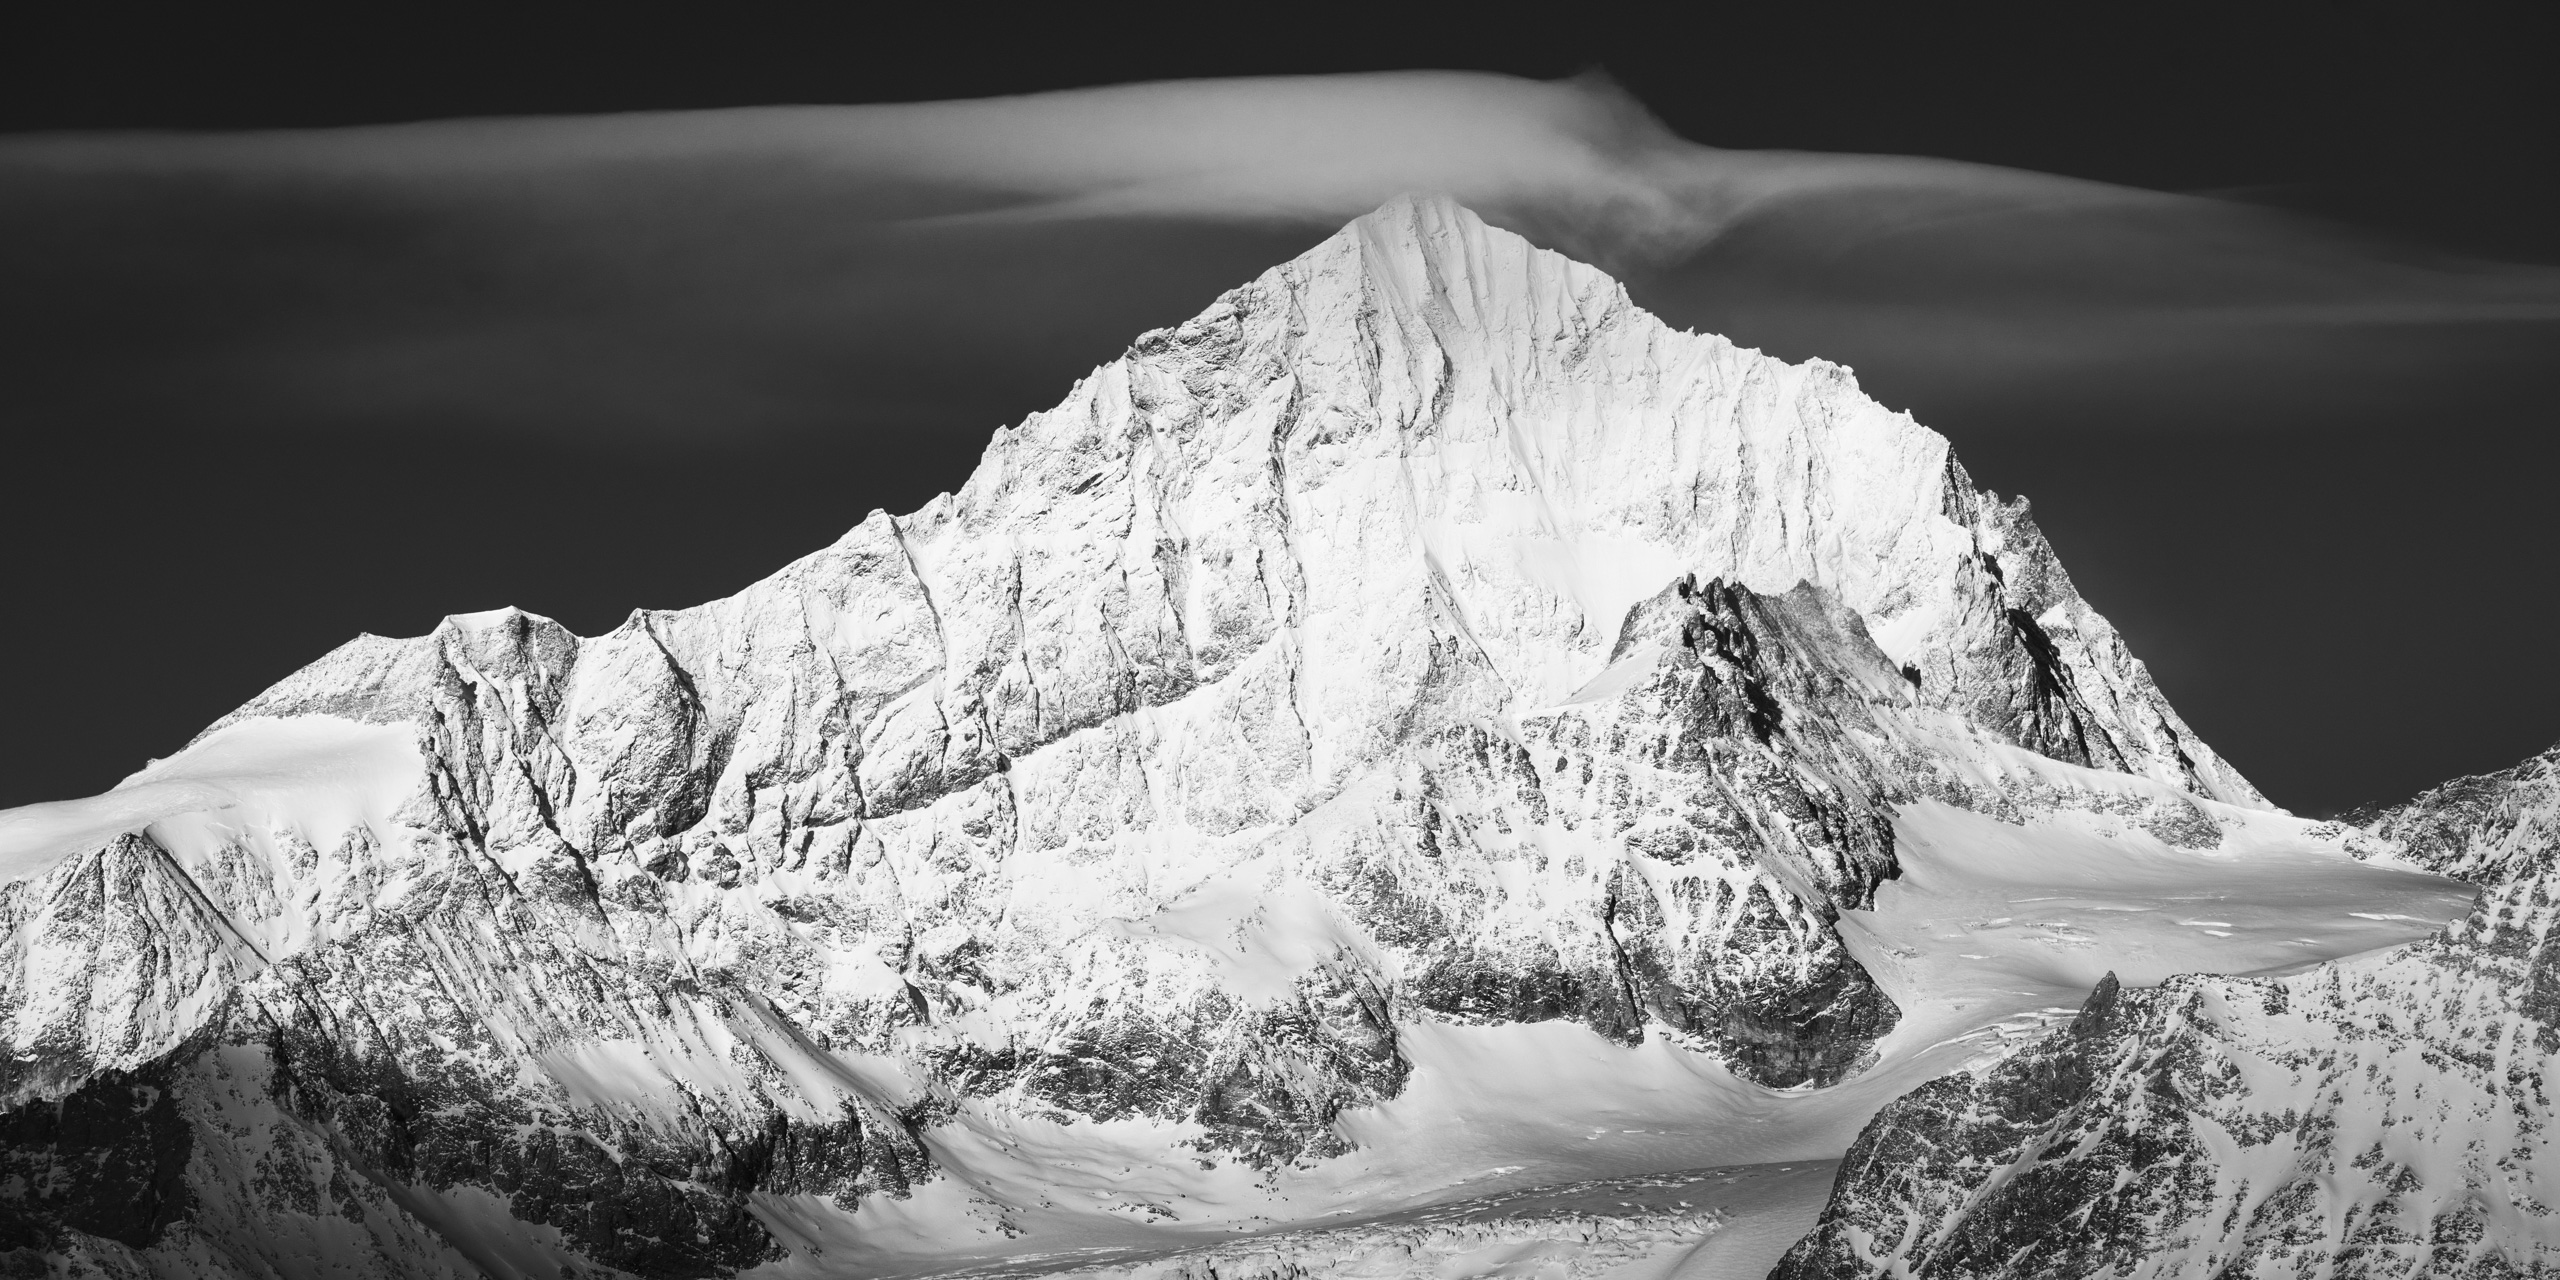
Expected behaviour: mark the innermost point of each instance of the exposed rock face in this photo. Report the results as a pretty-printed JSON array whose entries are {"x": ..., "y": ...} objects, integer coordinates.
[
  {"x": 108, "y": 1159},
  {"x": 2383, "y": 1115},
  {"x": 1335, "y": 660}
]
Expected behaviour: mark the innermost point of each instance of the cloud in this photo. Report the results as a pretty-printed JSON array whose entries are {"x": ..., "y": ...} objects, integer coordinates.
[
  {"x": 1319, "y": 150},
  {"x": 729, "y": 275}
]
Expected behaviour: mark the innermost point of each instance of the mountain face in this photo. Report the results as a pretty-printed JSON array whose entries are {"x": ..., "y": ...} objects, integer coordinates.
[
  {"x": 1420, "y": 637},
  {"x": 2383, "y": 1115}
]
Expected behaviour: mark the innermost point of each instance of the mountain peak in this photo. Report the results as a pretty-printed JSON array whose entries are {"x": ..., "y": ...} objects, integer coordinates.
[
  {"x": 1418, "y": 211},
  {"x": 1429, "y": 269},
  {"x": 1550, "y": 441},
  {"x": 1431, "y": 258},
  {"x": 1318, "y": 693},
  {"x": 1434, "y": 236}
]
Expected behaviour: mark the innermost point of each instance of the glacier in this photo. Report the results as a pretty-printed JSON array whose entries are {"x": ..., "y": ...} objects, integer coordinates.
[
  {"x": 2384, "y": 1114},
  {"x": 1419, "y": 730}
]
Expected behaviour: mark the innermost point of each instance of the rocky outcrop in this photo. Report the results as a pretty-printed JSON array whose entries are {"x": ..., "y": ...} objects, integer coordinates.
[
  {"x": 2382, "y": 1115},
  {"x": 108, "y": 1159},
  {"x": 1334, "y": 662}
]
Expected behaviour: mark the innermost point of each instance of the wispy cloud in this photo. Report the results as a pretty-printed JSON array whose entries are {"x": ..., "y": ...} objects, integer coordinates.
[{"x": 943, "y": 266}]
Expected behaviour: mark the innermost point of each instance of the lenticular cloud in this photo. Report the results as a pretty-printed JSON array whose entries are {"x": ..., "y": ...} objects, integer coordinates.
[{"x": 938, "y": 266}]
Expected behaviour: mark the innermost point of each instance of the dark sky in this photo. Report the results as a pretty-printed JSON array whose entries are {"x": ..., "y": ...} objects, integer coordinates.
[{"x": 2331, "y": 545}]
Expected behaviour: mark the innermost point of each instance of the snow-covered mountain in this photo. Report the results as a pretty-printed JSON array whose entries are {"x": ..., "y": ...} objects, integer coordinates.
[
  {"x": 1367, "y": 744},
  {"x": 2382, "y": 1115}
]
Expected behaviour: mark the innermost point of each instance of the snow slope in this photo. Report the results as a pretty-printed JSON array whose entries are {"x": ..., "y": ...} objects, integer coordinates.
[
  {"x": 320, "y": 775},
  {"x": 1420, "y": 728},
  {"x": 1983, "y": 953},
  {"x": 2385, "y": 1114}
]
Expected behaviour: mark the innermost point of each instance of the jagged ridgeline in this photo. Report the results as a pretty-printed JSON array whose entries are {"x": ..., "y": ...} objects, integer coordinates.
[
  {"x": 2383, "y": 1115},
  {"x": 1421, "y": 634}
]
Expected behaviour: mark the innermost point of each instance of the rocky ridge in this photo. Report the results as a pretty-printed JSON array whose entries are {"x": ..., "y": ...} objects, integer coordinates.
[
  {"x": 2381, "y": 1115},
  {"x": 1421, "y": 632}
]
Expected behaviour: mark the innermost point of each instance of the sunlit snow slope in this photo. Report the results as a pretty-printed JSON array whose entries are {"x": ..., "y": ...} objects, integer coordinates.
[
  {"x": 2383, "y": 1115},
  {"x": 1419, "y": 729}
]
